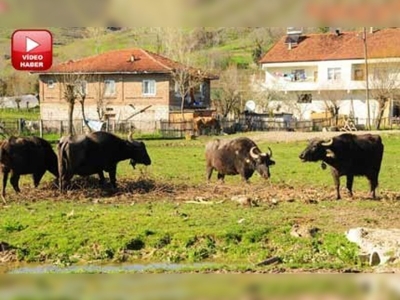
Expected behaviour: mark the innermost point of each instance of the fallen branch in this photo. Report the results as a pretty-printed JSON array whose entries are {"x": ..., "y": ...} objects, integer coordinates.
[{"x": 270, "y": 261}]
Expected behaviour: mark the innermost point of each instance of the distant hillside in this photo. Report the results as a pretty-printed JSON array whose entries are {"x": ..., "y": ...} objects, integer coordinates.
[{"x": 226, "y": 45}]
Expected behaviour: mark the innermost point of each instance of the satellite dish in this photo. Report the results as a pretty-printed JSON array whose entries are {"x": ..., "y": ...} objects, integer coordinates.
[{"x": 250, "y": 106}]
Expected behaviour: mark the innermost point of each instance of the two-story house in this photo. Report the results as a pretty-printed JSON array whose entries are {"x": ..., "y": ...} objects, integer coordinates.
[
  {"x": 120, "y": 83},
  {"x": 326, "y": 74}
]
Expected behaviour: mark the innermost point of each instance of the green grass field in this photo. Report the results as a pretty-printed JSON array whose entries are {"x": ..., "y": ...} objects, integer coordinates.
[
  {"x": 154, "y": 216},
  {"x": 14, "y": 114}
]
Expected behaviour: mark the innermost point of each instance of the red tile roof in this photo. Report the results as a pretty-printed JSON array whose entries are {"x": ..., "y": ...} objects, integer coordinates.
[
  {"x": 329, "y": 46},
  {"x": 135, "y": 61}
]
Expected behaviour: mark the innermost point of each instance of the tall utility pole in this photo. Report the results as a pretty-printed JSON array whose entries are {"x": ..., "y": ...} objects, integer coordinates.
[{"x": 366, "y": 78}]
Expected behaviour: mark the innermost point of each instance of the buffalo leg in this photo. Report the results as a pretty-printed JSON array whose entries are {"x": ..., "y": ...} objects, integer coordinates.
[
  {"x": 221, "y": 177},
  {"x": 336, "y": 181},
  {"x": 373, "y": 182},
  {"x": 349, "y": 184},
  {"x": 112, "y": 174},
  {"x": 37, "y": 177},
  {"x": 102, "y": 179},
  {"x": 209, "y": 172},
  {"x": 5, "y": 178},
  {"x": 65, "y": 181},
  {"x": 14, "y": 179}
]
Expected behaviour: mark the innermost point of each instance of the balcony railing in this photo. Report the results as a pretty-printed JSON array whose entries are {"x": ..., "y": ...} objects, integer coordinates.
[{"x": 310, "y": 85}]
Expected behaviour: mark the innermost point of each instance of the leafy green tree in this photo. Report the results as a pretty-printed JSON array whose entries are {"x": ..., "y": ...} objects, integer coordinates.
[{"x": 257, "y": 51}]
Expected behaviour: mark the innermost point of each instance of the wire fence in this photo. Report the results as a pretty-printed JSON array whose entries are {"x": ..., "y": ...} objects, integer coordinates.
[{"x": 181, "y": 129}]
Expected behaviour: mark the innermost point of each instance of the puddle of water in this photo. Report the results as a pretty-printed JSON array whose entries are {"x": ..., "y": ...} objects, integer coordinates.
[{"x": 106, "y": 268}]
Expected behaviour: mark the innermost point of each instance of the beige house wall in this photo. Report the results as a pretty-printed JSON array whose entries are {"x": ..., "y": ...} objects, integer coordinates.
[
  {"x": 127, "y": 100},
  {"x": 128, "y": 93}
]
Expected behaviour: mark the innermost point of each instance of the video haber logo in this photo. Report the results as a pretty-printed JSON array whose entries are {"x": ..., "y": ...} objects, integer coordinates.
[{"x": 32, "y": 50}]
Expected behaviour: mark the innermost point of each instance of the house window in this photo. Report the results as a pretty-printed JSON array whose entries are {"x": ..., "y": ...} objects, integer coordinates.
[
  {"x": 358, "y": 74},
  {"x": 334, "y": 73},
  {"x": 109, "y": 88},
  {"x": 149, "y": 87},
  {"x": 51, "y": 84},
  {"x": 81, "y": 87},
  {"x": 304, "y": 98}
]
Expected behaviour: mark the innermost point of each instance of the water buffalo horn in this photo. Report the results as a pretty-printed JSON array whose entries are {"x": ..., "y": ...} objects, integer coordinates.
[
  {"x": 130, "y": 136},
  {"x": 327, "y": 143},
  {"x": 252, "y": 154},
  {"x": 267, "y": 154}
]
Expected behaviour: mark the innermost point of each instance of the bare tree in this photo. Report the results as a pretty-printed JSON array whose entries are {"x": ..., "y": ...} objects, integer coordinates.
[
  {"x": 101, "y": 102},
  {"x": 186, "y": 80},
  {"x": 98, "y": 90},
  {"x": 73, "y": 87},
  {"x": 332, "y": 101},
  {"x": 332, "y": 93},
  {"x": 261, "y": 95},
  {"x": 291, "y": 104},
  {"x": 228, "y": 96},
  {"x": 384, "y": 84},
  {"x": 186, "y": 77},
  {"x": 262, "y": 38}
]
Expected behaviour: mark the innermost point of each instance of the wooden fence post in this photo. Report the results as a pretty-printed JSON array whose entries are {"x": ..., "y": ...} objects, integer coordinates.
[
  {"x": 61, "y": 128},
  {"x": 19, "y": 126},
  {"x": 41, "y": 128},
  {"x": 108, "y": 125}
]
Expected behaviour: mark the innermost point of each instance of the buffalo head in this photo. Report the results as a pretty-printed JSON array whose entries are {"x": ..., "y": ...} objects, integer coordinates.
[
  {"x": 262, "y": 161},
  {"x": 317, "y": 150},
  {"x": 138, "y": 152}
]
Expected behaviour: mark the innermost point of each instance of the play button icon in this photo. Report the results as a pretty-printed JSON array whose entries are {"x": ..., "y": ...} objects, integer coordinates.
[
  {"x": 32, "y": 50},
  {"x": 31, "y": 44}
]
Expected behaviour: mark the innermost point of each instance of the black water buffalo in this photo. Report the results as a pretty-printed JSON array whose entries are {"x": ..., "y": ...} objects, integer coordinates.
[
  {"x": 350, "y": 155},
  {"x": 26, "y": 155},
  {"x": 97, "y": 152},
  {"x": 237, "y": 156}
]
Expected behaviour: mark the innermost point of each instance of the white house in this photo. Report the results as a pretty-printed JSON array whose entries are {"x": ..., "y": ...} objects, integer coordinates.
[{"x": 314, "y": 73}]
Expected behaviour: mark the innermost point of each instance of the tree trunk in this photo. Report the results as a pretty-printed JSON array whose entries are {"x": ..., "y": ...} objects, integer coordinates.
[
  {"x": 70, "y": 117},
  {"x": 182, "y": 108},
  {"x": 82, "y": 102},
  {"x": 382, "y": 105}
]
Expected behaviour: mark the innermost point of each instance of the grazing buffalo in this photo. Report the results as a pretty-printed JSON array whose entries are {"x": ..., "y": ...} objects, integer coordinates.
[
  {"x": 97, "y": 152},
  {"x": 26, "y": 155},
  {"x": 203, "y": 125},
  {"x": 350, "y": 155},
  {"x": 237, "y": 156}
]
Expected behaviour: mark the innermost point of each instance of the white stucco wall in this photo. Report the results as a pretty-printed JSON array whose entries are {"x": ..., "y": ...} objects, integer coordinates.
[
  {"x": 303, "y": 111},
  {"x": 354, "y": 90}
]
